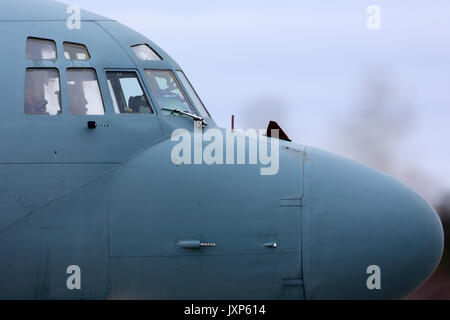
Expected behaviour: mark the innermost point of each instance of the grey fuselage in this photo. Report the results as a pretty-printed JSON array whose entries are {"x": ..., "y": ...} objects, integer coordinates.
[{"x": 110, "y": 200}]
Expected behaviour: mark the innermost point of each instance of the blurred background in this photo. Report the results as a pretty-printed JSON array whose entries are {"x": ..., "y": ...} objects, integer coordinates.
[{"x": 379, "y": 96}]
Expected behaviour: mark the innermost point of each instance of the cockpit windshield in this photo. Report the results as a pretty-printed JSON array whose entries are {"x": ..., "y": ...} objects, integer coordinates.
[
  {"x": 194, "y": 97},
  {"x": 167, "y": 91}
]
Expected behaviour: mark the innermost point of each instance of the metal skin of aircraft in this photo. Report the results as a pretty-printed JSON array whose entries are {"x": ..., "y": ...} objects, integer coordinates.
[{"x": 103, "y": 212}]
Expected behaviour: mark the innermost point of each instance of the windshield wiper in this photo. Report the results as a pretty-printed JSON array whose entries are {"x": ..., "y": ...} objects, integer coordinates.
[{"x": 184, "y": 113}]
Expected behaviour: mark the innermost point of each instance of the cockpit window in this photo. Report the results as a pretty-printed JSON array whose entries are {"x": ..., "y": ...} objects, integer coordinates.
[
  {"x": 75, "y": 51},
  {"x": 167, "y": 90},
  {"x": 41, "y": 49},
  {"x": 194, "y": 97},
  {"x": 83, "y": 92},
  {"x": 127, "y": 93},
  {"x": 145, "y": 53},
  {"x": 42, "y": 92}
]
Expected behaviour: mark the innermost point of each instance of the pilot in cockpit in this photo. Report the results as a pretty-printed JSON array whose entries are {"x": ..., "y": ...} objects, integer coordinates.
[
  {"x": 138, "y": 104},
  {"x": 35, "y": 102}
]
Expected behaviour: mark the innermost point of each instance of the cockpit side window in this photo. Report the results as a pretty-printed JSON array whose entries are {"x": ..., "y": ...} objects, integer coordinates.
[
  {"x": 145, "y": 53},
  {"x": 42, "y": 92},
  {"x": 127, "y": 93},
  {"x": 83, "y": 92},
  {"x": 75, "y": 51},
  {"x": 194, "y": 97},
  {"x": 167, "y": 91},
  {"x": 41, "y": 49}
]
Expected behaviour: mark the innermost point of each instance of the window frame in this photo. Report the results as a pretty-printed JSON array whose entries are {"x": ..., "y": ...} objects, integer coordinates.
[
  {"x": 150, "y": 47},
  {"x": 44, "y": 39},
  {"x": 46, "y": 116},
  {"x": 99, "y": 88},
  {"x": 78, "y": 44},
  {"x": 141, "y": 82}
]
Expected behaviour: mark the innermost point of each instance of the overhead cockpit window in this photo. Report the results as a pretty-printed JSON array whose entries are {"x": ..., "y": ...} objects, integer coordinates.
[
  {"x": 167, "y": 91},
  {"x": 127, "y": 93},
  {"x": 194, "y": 97},
  {"x": 42, "y": 92},
  {"x": 83, "y": 92},
  {"x": 75, "y": 51},
  {"x": 144, "y": 52},
  {"x": 41, "y": 49}
]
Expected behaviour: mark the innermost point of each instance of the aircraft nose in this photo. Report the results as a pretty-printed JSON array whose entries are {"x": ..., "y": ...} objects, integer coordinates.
[{"x": 369, "y": 236}]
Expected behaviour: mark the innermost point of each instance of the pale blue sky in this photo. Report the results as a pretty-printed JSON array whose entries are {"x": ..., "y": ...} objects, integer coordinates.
[{"x": 307, "y": 64}]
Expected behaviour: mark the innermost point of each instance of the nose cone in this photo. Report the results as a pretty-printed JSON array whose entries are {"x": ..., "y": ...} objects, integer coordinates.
[{"x": 355, "y": 218}]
